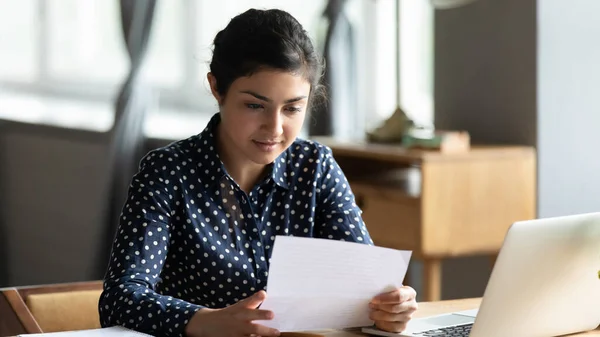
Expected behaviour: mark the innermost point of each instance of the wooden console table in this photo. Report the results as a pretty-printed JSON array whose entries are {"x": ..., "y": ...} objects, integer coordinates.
[{"x": 439, "y": 205}]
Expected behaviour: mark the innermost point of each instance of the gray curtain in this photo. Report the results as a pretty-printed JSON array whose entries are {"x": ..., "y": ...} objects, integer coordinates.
[
  {"x": 126, "y": 137},
  {"x": 4, "y": 252},
  {"x": 337, "y": 117}
]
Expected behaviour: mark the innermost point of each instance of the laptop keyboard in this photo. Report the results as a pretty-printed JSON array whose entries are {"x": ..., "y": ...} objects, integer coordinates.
[{"x": 454, "y": 331}]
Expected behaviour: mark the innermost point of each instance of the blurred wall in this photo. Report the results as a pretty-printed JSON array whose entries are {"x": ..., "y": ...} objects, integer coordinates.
[
  {"x": 52, "y": 192},
  {"x": 485, "y": 70},
  {"x": 52, "y": 182}
]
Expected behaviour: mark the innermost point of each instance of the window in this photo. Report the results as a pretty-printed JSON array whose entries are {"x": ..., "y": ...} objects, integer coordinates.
[
  {"x": 416, "y": 64},
  {"x": 64, "y": 48},
  {"x": 73, "y": 49},
  {"x": 18, "y": 40},
  {"x": 83, "y": 42}
]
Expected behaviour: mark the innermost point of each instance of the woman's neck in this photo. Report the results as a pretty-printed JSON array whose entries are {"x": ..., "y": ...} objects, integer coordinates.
[{"x": 243, "y": 171}]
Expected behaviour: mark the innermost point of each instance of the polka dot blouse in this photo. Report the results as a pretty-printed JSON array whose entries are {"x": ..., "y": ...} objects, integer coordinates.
[{"x": 190, "y": 238}]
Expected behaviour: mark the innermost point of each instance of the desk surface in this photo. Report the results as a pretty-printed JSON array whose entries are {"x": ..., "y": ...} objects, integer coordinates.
[{"x": 425, "y": 309}]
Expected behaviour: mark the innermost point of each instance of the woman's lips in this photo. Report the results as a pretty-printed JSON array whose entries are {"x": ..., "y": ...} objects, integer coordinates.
[{"x": 266, "y": 146}]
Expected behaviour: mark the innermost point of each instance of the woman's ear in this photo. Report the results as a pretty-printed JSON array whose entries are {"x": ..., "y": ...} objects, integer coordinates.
[{"x": 212, "y": 81}]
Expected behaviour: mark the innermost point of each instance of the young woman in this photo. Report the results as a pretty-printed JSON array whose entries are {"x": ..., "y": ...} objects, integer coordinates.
[{"x": 191, "y": 256}]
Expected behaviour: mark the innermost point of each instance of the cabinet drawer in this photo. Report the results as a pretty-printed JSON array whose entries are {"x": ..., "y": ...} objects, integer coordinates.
[{"x": 392, "y": 218}]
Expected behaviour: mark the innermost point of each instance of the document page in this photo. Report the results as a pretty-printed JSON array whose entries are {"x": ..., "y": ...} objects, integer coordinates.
[
  {"x": 115, "y": 331},
  {"x": 328, "y": 284}
]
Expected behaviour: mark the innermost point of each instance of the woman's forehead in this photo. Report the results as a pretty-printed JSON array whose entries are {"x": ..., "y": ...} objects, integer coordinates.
[{"x": 280, "y": 84}]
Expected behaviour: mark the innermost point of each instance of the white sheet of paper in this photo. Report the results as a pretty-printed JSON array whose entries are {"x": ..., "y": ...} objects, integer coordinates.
[
  {"x": 327, "y": 284},
  {"x": 115, "y": 331}
]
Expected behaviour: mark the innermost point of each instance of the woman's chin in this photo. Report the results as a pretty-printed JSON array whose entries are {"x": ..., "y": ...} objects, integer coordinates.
[
  {"x": 265, "y": 154},
  {"x": 265, "y": 159}
]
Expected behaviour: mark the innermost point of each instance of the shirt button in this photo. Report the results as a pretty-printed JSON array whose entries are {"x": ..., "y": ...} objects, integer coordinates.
[{"x": 243, "y": 200}]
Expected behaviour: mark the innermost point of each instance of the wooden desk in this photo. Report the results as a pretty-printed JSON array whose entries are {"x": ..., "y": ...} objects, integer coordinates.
[
  {"x": 439, "y": 205},
  {"x": 11, "y": 323}
]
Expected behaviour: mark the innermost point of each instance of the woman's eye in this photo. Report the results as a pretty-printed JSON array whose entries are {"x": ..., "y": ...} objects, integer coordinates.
[
  {"x": 293, "y": 109},
  {"x": 253, "y": 106}
]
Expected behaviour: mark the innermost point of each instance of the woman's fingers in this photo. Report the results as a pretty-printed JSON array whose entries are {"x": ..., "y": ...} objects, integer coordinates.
[
  {"x": 383, "y": 316},
  {"x": 402, "y": 294},
  {"x": 253, "y": 301},
  {"x": 255, "y": 315},
  {"x": 391, "y": 326},
  {"x": 263, "y": 331},
  {"x": 396, "y": 308}
]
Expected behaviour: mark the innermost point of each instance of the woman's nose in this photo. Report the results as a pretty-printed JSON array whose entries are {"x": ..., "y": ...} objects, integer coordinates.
[{"x": 274, "y": 123}]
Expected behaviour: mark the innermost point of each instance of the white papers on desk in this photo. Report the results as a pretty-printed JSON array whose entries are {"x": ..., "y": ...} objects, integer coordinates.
[
  {"x": 326, "y": 284},
  {"x": 115, "y": 331}
]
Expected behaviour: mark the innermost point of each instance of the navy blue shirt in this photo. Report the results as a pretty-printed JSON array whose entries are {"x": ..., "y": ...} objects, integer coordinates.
[{"x": 190, "y": 238}]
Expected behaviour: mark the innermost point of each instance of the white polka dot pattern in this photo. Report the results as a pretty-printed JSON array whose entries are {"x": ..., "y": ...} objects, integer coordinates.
[{"x": 190, "y": 238}]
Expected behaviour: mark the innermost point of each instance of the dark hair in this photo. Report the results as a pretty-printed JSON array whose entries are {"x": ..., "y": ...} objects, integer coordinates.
[{"x": 264, "y": 39}]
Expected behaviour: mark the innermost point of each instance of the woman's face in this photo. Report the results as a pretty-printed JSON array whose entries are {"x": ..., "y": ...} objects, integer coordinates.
[{"x": 262, "y": 114}]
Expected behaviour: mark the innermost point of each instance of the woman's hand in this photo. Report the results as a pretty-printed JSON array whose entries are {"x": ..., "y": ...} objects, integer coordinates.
[
  {"x": 391, "y": 311},
  {"x": 235, "y": 320}
]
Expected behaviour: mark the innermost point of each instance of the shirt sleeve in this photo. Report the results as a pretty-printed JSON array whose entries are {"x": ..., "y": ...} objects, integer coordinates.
[
  {"x": 337, "y": 215},
  {"x": 138, "y": 254}
]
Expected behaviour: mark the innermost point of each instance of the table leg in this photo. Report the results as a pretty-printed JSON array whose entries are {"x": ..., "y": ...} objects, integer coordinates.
[{"x": 432, "y": 280}]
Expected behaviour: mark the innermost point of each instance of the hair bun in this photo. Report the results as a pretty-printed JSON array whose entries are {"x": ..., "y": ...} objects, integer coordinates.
[
  {"x": 259, "y": 39},
  {"x": 218, "y": 38}
]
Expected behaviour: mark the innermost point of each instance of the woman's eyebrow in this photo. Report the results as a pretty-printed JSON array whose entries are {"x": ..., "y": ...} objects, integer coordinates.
[{"x": 266, "y": 99}]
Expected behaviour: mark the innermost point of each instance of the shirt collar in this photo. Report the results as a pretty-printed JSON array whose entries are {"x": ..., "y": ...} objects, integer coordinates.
[
  {"x": 209, "y": 157},
  {"x": 279, "y": 172},
  {"x": 209, "y": 164}
]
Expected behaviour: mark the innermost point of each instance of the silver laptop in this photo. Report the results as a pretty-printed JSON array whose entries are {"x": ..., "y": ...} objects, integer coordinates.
[{"x": 546, "y": 282}]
